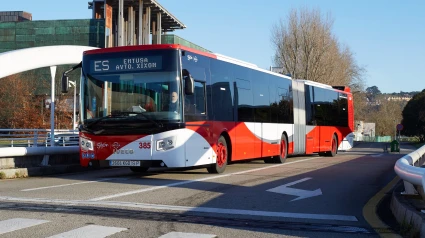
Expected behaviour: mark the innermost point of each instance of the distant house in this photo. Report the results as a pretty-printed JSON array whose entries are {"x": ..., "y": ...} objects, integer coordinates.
[{"x": 399, "y": 98}]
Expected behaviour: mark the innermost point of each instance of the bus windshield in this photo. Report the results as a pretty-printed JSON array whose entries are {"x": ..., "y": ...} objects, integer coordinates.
[{"x": 136, "y": 97}]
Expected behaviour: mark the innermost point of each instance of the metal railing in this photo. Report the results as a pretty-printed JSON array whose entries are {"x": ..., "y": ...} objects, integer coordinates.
[
  {"x": 36, "y": 137},
  {"x": 406, "y": 170},
  {"x": 24, "y": 142}
]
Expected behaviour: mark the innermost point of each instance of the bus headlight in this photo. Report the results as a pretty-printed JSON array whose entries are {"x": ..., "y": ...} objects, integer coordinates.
[
  {"x": 86, "y": 144},
  {"x": 166, "y": 143}
]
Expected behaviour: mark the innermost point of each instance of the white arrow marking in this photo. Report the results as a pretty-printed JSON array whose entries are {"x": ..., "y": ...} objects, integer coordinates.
[{"x": 301, "y": 194}]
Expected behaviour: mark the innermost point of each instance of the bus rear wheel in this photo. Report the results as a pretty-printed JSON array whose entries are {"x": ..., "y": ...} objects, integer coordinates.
[
  {"x": 283, "y": 150},
  {"x": 139, "y": 169},
  {"x": 222, "y": 157}
]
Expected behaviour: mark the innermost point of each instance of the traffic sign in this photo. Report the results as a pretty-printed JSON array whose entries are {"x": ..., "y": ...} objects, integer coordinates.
[{"x": 399, "y": 127}]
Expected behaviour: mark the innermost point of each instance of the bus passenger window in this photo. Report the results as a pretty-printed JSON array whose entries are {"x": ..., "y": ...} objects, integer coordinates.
[{"x": 195, "y": 104}]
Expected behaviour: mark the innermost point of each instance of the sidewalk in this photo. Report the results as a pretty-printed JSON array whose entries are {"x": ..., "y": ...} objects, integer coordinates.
[{"x": 41, "y": 171}]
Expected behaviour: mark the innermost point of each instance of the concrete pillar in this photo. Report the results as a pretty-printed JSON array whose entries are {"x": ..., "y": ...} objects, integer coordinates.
[
  {"x": 145, "y": 28},
  {"x": 148, "y": 26},
  {"x": 133, "y": 31},
  {"x": 158, "y": 28},
  {"x": 130, "y": 26},
  {"x": 121, "y": 23},
  {"x": 153, "y": 30},
  {"x": 140, "y": 35},
  {"x": 125, "y": 33}
]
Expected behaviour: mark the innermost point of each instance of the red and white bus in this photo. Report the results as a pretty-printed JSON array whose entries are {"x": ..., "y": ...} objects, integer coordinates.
[{"x": 172, "y": 106}]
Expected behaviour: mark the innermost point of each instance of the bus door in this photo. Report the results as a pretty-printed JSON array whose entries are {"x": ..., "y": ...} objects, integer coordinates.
[
  {"x": 265, "y": 132},
  {"x": 245, "y": 126},
  {"x": 325, "y": 138},
  {"x": 195, "y": 115}
]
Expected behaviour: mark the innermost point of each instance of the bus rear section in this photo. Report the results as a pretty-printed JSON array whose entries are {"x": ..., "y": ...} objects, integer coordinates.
[{"x": 324, "y": 118}]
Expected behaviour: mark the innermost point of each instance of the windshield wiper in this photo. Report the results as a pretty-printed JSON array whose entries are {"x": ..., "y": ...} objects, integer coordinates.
[
  {"x": 159, "y": 125},
  {"x": 124, "y": 115},
  {"x": 97, "y": 120}
]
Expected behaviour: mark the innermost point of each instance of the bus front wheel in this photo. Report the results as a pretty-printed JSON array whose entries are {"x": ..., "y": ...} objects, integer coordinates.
[{"x": 222, "y": 157}]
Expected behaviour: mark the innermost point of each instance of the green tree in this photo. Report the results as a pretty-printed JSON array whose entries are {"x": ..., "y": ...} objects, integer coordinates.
[
  {"x": 372, "y": 92},
  {"x": 414, "y": 117}
]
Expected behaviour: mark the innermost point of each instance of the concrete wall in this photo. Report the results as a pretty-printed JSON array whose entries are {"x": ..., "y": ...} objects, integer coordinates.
[{"x": 35, "y": 161}]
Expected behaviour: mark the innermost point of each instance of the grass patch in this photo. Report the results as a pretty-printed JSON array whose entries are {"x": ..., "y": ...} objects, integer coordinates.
[
  {"x": 19, "y": 175},
  {"x": 2, "y": 175}
]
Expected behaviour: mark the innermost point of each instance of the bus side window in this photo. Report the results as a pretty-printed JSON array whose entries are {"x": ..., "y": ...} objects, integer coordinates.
[{"x": 195, "y": 104}]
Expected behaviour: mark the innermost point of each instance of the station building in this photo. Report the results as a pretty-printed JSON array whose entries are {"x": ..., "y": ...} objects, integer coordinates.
[{"x": 113, "y": 23}]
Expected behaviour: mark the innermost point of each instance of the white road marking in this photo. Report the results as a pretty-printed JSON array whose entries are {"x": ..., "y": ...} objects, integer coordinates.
[
  {"x": 90, "y": 231},
  {"x": 188, "y": 209},
  {"x": 377, "y": 155},
  {"x": 191, "y": 181},
  {"x": 17, "y": 224},
  {"x": 186, "y": 235},
  {"x": 64, "y": 185},
  {"x": 299, "y": 193}
]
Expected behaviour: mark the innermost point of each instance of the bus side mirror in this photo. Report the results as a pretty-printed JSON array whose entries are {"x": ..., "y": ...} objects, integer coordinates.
[
  {"x": 189, "y": 83},
  {"x": 65, "y": 83}
]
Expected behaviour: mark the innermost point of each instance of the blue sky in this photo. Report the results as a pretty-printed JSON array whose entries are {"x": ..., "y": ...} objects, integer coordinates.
[{"x": 387, "y": 37}]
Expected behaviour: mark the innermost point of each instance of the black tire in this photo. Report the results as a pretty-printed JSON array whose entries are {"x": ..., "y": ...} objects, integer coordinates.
[
  {"x": 334, "y": 147},
  {"x": 139, "y": 169},
  {"x": 222, "y": 152}
]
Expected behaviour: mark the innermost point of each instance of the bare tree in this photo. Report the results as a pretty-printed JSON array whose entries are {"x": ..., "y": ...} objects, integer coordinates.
[
  {"x": 306, "y": 49},
  {"x": 386, "y": 116}
]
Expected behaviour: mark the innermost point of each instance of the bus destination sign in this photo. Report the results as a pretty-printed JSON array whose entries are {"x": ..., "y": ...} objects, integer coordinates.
[{"x": 123, "y": 64}]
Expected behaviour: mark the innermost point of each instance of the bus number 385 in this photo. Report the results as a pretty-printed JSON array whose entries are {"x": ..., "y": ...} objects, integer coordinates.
[{"x": 144, "y": 145}]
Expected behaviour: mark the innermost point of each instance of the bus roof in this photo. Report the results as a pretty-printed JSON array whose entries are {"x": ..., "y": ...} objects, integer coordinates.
[
  {"x": 177, "y": 46},
  {"x": 321, "y": 85}
]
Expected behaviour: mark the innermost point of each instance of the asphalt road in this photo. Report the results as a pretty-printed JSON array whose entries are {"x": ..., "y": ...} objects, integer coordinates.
[{"x": 308, "y": 196}]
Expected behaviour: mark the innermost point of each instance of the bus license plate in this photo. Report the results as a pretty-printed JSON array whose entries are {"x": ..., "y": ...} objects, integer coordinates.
[{"x": 124, "y": 163}]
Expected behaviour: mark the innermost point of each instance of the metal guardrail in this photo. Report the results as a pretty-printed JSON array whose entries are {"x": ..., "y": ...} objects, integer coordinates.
[
  {"x": 36, "y": 137},
  {"x": 25, "y": 142},
  {"x": 406, "y": 170}
]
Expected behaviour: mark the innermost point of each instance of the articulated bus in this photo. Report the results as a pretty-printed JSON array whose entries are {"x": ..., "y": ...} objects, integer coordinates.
[{"x": 172, "y": 106}]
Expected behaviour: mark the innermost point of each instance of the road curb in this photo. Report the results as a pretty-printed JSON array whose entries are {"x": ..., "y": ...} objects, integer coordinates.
[
  {"x": 370, "y": 212},
  {"x": 41, "y": 171},
  {"x": 412, "y": 221}
]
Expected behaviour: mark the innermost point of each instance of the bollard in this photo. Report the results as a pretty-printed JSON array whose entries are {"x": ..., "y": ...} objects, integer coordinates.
[{"x": 409, "y": 189}]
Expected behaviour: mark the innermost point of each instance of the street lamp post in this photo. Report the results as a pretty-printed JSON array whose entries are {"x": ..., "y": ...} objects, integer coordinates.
[{"x": 74, "y": 84}]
